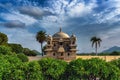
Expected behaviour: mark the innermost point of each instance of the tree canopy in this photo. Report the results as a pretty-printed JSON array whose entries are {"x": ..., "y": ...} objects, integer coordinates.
[{"x": 3, "y": 38}]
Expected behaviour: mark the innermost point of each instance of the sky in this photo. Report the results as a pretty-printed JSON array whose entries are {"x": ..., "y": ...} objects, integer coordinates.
[{"x": 22, "y": 19}]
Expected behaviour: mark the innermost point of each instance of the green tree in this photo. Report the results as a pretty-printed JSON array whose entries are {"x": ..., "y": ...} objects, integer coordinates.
[
  {"x": 4, "y": 66},
  {"x": 41, "y": 37},
  {"x": 29, "y": 52},
  {"x": 22, "y": 57},
  {"x": 17, "y": 48},
  {"x": 75, "y": 70},
  {"x": 12, "y": 72},
  {"x": 98, "y": 68},
  {"x": 3, "y": 38},
  {"x": 95, "y": 41},
  {"x": 5, "y": 50},
  {"x": 33, "y": 71},
  {"x": 116, "y": 62},
  {"x": 114, "y": 53},
  {"x": 52, "y": 69}
]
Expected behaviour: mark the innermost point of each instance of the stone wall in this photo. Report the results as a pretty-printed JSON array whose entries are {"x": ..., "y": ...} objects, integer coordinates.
[{"x": 106, "y": 58}]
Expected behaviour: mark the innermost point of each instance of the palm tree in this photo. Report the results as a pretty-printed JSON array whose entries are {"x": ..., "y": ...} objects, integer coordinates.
[
  {"x": 41, "y": 37},
  {"x": 95, "y": 41}
]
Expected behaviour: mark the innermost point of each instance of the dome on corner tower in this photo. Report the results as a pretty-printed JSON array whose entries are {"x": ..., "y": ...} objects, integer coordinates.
[{"x": 61, "y": 34}]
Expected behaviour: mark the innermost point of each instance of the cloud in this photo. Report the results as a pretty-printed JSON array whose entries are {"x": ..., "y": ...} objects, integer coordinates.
[
  {"x": 19, "y": 17},
  {"x": 77, "y": 9},
  {"x": 34, "y": 11},
  {"x": 85, "y": 18},
  {"x": 13, "y": 24}
]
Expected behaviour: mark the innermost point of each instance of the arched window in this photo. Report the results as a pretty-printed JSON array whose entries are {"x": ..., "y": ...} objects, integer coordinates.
[
  {"x": 61, "y": 43},
  {"x": 68, "y": 54},
  {"x": 61, "y": 54},
  {"x": 54, "y": 44},
  {"x": 73, "y": 42},
  {"x": 48, "y": 42},
  {"x": 53, "y": 54}
]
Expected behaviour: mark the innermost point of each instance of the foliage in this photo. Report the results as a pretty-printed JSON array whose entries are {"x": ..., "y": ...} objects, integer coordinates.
[
  {"x": 41, "y": 37},
  {"x": 3, "y": 38},
  {"x": 4, "y": 66},
  {"x": 11, "y": 73},
  {"x": 5, "y": 50},
  {"x": 115, "y": 53},
  {"x": 22, "y": 57},
  {"x": 114, "y": 72},
  {"x": 13, "y": 68},
  {"x": 52, "y": 69},
  {"x": 33, "y": 71},
  {"x": 28, "y": 52},
  {"x": 17, "y": 48},
  {"x": 75, "y": 70},
  {"x": 96, "y": 68},
  {"x": 116, "y": 62},
  {"x": 91, "y": 69}
]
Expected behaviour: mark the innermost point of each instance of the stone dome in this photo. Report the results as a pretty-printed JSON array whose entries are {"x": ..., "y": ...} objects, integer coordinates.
[{"x": 61, "y": 35}]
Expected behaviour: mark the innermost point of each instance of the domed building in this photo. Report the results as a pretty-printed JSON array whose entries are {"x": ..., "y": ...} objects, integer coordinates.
[{"x": 61, "y": 46}]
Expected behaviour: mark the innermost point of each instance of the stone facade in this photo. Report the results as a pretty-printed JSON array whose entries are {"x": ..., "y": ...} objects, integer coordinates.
[{"x": 61, "y": 46}]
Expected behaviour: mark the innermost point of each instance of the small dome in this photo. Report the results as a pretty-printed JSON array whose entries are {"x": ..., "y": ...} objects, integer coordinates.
[
  {"x": 73, "y": 35},
  {"x": 60, "y": 35}
]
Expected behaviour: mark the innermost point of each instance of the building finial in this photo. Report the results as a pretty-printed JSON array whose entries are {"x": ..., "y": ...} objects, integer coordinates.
[{"x": 60, "y": 29}]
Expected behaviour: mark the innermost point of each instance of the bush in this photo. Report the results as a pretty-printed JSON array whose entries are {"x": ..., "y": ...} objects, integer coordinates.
[
  {"x": 5, "y": 50},
  {"x": 52, "y": 69},
  {"x": 91, "y": 69},
  {"x": 116, "y": 62},
  {"x": 22, "y": 57},
  {"x": 17, "y": 48},
  {"x": 75, "y": 70},
  {"x": 28, "y": 52},
  {"x": 9, "y": 68},
  {"x": 33, "y": 71}
]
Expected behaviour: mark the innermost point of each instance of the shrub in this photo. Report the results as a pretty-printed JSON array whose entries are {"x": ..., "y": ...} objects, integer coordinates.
[
  {"x": 5, "y": 50},
  {"x": 22, "y": 57},
  {"x": 33, "y": 71},
  {"x": 17, "y": 48},
  {"x": 75, "y": 70},
  {"x": 28, "y": 52},
  {"x": 116, "y": 62},
  {"x": 10, "y": 71},
  {"x": 52, "y": 69}
]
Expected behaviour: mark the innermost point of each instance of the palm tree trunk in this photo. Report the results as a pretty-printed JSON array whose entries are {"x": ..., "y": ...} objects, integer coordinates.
[
  {"x": 96, "y": 48},
  {"x": 42, "y": 49}
]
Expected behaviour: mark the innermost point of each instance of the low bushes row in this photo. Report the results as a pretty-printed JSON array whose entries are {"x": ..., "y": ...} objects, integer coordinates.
[{"x": 13, "y": 68}]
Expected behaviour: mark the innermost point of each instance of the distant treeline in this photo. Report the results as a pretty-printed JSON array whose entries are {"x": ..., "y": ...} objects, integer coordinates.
[{"x": 101, "y": 54}]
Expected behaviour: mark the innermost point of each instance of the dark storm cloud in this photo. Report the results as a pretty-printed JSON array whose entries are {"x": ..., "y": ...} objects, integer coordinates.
[
  {"x": 33, "y": 11},
  {"x": 13, "y": 24}
]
